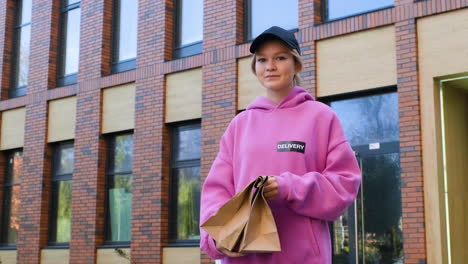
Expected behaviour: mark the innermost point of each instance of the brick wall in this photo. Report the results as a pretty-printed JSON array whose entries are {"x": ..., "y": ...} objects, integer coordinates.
[
  {"x": 410, "y": 142},
  {"x": 219, "y": 79},
  {"x": 36, "y": 182},
  {"x": 150, "y": 196}
]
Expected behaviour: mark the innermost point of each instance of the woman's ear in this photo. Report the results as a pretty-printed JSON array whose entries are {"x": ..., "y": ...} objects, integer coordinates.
[{"x": 297, "y": 67}]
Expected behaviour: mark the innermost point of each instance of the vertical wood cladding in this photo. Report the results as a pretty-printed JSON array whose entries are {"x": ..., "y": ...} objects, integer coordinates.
[{"x": 223, "y": 44}]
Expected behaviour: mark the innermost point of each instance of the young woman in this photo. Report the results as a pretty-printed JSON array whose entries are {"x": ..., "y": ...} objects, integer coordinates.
[{"x": 299, "y": 143}]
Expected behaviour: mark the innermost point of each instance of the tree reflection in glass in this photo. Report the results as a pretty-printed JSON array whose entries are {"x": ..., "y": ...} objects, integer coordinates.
[
  {"x": 10, "y": 223},
  {"x": 120, "y": 189},
  {"x": 188, "y": 203},
  {"x": 186, "y": 184},
  {"x": 64, "y": 212},
  {"x": 61, "y": 193},
  {"x": 369, "y": 119}
]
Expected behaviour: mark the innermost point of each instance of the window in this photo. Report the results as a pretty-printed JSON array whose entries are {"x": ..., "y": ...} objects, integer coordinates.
[
  {"x": 119, "y": 189},
  {"x": 21, "y": 48},
  {"x": 125, "y": 35},
  {"x": 189, "y": 28},
  {"x": 63, "y": 163},
  {"x": 11, "y": 199},
  {"x": 185, "y": 184},
  {"x": 335, "y": 9},
  {"x": 70, "y": 42},
  {"x": 263, "y": 14},
  {"x": 370, "y": 231}
]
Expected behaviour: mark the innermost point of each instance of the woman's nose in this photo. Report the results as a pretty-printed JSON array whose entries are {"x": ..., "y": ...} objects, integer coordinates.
[{"x": 271, "y": 65}]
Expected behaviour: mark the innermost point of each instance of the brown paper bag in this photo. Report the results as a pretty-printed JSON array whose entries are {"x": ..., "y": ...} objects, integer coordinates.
[{"x": 245, "y": 223}]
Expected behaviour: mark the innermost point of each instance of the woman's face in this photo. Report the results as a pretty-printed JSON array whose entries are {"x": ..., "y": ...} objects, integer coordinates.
[{"x": 274, "y": 66}]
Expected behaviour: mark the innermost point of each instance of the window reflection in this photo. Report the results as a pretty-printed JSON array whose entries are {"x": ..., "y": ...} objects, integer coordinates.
[
  {"x": 23, "y": 58},
  {"x": 11, "y": 198},
  {"x": 342, "y": 8},
  {"x": 191, "y": 21},
  {"x": 119, "y": 191},
  {"x": 63, "y": 223},
  {"x": 189, "y": 144},
  {"x": 185, "y": 184},
  {"x": 26, "y": 8},
  {"x": 61, "y": 193},
  {"x": 66, "y": 162},
  {"x": 120, "y": 207},
  {"x": 268, "y": 13},
  {"x": 127, "y": 24},
  {"x": 72, "y": 42},
  {"x": 188, "y": 203},
  {"x": 370, "y": 231},
  {"x": 123, "y": 155},
  {"x": 21, "y": 50},
  {"x": 369, "y": 119}
]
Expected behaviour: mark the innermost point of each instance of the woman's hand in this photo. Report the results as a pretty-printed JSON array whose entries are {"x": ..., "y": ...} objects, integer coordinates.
[
  {"x": 227, "y": 252},
  {"x": 271, "y": 189}
]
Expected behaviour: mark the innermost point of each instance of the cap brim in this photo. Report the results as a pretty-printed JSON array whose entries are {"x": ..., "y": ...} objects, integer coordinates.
[{"x": 258, "y": 41}]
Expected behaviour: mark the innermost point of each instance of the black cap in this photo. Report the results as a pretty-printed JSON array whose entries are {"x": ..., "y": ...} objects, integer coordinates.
[{"x": 275, "y": 33}]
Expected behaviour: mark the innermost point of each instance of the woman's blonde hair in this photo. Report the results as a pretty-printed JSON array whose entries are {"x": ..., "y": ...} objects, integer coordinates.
[{"x": 297, "y": 63}]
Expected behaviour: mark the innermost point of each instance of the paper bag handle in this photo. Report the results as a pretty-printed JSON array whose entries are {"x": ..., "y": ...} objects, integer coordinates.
[{"x": 259, "y": 184}]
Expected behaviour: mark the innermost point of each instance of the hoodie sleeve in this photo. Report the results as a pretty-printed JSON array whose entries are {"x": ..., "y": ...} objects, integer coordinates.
[
  {"x": 217, "y": 189},
  {"x": 324, "y": 195}
]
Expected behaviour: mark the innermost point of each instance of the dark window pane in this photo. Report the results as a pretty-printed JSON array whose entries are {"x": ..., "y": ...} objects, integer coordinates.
[
  {"x": 120, "y": 208},
  {"x": 188, "y": 203},
  {"x": 382, "y": 235},
  {"x": 191, "y": 21},
  {"x": 14, "y": 168},
  {"x": 123, "y": 154},
  {"x": 127, "y": 25},
  {"x": 22, "y": 60},
  {"x": 66, "y": 161},
  {"x": 343, "y": 8},
  {"x": 26, "y": 8},
  {"x": 371, "y": 229},
  {"x": 63, "y": 220},
  {"x": 371, "y": 119},
  {"x": 71, "y": 48},
  {"x": 189, "y": 144},
  {"x": 267, "y": 13}
]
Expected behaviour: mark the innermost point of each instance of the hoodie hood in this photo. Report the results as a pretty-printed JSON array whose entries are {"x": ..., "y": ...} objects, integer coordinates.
[{"x": 296, "y": 96}]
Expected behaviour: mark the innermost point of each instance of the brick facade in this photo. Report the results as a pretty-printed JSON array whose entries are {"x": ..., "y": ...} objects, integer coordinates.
[
  {"x": 410, "y": 142},
  {"x": 223, "y": 45}
]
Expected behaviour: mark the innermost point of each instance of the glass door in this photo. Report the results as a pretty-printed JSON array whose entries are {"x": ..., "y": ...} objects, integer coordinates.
[{"x": 370, "y": 231}]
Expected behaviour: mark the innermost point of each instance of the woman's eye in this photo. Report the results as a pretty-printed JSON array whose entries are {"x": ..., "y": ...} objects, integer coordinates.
[
  {"x": 261, "y": 59},
  {"x": 281, "y": 58}
]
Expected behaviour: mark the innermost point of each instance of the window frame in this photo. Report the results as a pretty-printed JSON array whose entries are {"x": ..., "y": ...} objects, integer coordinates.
[
  {"x": 6, "y": 207},
  {"x": 110, "y": 174},
  {"x": 173, "y": 182},
  {"x": 182, "y": 51},
  {"x": 62, "y": 79},
  {"x": 125, "y": 65},
  {"x": 57, "y": 147},
  {"x": 15, "y": 90},
  {"x": 324, "y": 12}
]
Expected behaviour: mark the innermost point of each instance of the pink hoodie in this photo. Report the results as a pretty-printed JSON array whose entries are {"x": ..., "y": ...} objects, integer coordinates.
[{"x": 301, "y": 142}]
